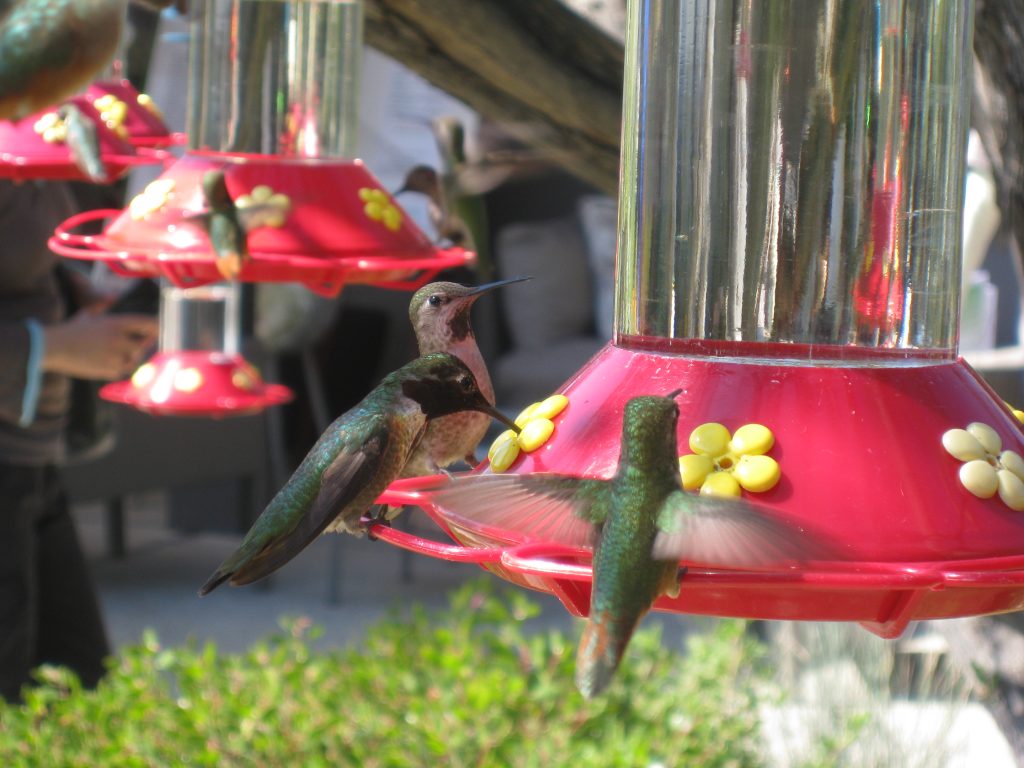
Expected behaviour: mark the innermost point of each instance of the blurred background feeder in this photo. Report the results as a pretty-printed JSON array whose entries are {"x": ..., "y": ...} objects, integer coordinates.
[
  {"x": 331, "y": 233},
  {"x": 198, "y": 370},
  {"x": 790, "y": 215},
  {"x": 275, "y": 109},
  {"x": 36, "y": 147}
]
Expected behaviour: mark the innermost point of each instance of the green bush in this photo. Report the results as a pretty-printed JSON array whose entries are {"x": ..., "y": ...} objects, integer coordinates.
[{"x": 471, "y": 686}]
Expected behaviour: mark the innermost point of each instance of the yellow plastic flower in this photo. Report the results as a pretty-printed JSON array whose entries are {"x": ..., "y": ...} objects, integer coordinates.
[
  {"x": 378, "y": 207},
  {"x": 144, "y": 376},
  {"x": 52, "y": 128},
  {"x": 987, "y": 468},
  {"x": 535, "y": 423},
  {"x": 188, "y": 380},
  {"x": 1019, "y": 414},
  {"x": 263, "y": 207},
  {"x": 146, "y": 102},
  {"x": 113, "y": 112},
  {"x": 150, "y": 200},
  {"x": 724, "y": 464}
]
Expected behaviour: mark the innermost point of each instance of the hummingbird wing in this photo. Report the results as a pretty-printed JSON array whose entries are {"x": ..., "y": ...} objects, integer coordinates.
[
  {"x": 542, "y": 507},
  {"x": 729, "y": 532},
  {"x": 272, "y": 542}
]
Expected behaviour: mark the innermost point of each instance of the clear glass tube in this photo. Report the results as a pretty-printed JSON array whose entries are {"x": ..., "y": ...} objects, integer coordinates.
[
  {"x": 792, "y": 172},
  {"x": 275, "y": 77},
  {"x": 206, "y": 318}
]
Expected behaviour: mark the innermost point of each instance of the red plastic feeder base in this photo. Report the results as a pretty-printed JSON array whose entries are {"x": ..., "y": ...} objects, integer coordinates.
[
  {"x": 860, "y": 448},
  {"x": 209, "y": 384},
  {"x": 340, "y": 226},
  {"x": 25, "y": 152}
]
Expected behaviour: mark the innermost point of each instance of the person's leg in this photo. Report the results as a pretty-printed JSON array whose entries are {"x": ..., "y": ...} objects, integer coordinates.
[
  {"x": 71, "y": 631},
  {"x": 19, "y": 507}
]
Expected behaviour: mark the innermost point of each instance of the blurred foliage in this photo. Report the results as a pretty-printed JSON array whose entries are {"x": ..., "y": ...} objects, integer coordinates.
[{"x": 474, "y": 685}]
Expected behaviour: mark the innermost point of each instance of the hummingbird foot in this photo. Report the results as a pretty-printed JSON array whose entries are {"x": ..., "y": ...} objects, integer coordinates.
[
  {"x": 673, "y": 590},
  {"x": 379, "y": 515}
]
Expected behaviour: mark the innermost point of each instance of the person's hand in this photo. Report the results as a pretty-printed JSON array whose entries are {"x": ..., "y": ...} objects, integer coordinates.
[{"x": 90, "y": 345}]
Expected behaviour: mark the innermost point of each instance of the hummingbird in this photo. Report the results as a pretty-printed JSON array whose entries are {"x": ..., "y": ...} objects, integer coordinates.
[
  {"x": 50, "y": 49},
  {"x": 640, "y": 524},
  {"x": 83, "y": 142},
  {"x": 455, "y": 191},
  {"x": 352, "y": 462},
  {"x": 455, "y": 207},
  {"x": 440, "y": 317},
  {"x": 223, "y": 225}
]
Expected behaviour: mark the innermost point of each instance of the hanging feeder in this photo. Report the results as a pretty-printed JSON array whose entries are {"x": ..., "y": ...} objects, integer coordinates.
[
  {"x": 275, "y": 112},
  {"x": 198, "y": 370},
  {"x": 35, "y": 147},
  {"x": 789, "y": 255}
]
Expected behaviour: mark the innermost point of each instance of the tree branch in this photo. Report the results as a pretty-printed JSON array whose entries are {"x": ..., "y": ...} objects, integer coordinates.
[{"x": 548, "y": 74}]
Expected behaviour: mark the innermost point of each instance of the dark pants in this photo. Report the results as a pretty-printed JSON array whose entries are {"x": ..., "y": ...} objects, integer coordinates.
[{"x": 48, "y": 607}]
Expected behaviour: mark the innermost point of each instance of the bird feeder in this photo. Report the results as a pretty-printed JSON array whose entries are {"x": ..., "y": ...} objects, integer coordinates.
[
  {"x": 198, "y": 370},
  {"x": 274, "y": 109},
  {"x": 36, "y": 147},
  {"x": 789, "y": 255}
]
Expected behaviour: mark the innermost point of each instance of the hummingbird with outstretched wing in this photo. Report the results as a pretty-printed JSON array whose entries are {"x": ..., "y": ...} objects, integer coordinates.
[{"x": 640, "y": 524}]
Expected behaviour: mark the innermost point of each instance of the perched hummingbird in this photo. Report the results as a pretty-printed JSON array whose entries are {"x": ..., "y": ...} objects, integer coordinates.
[
  {"x": 440, "y": 316},
  {"x": 223, "y": 226},
  {"x": 83, "y": 142},
  {"x": 640, "y": 523},
  {"x": 50, "y": 49},
  {"x": 354, "y": 460},
  {"x": 455, "y": 207},
  {"x": 454, "y": 191}
]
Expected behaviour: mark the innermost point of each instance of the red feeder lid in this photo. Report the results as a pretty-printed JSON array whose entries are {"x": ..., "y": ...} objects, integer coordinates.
[
  {"x": 32, "y": 148},
  {"x": 337, "y": 224},
  {"x": 872, "y": 455},
  {"x": 196, "y": 384},
  {"x": 123, "y": 108}
]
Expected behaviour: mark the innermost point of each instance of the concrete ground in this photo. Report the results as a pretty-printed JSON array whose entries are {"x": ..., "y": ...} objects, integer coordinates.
[{"x": 154, "y": 584}]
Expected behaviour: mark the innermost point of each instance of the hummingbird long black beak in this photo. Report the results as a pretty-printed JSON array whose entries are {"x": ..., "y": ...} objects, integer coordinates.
[
  {"x": 480, "y": 290},
  {"x": 494, "y": 413},
  {"x": 674, "y": 393}
]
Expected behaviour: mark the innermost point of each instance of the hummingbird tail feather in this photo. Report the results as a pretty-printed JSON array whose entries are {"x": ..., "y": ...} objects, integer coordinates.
[
  {"x": 218, "y": 578},
  {"x": 600, "y": 651}
]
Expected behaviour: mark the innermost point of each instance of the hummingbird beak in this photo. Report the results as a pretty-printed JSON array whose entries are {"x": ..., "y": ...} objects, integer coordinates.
[
  {"x": 494, "y": 413},
  {"x": 480, "y": 290},
  {"x": 674, "y": 393}
]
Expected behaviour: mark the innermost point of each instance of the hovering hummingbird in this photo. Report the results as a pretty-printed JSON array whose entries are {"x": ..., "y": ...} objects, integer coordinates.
[
  {"x": 640, "y": 523},
  {"x": 354, "y": 460},
  {"x": 83, "y": 142},
  {"x": 50, "y": 49},
  {"x": 440, "y": 316}
]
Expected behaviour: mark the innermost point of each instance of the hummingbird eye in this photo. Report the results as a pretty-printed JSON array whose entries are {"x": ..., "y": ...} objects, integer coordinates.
[
  {"x": 434, "y": 300},
  {"x": 466, "y": 383}
]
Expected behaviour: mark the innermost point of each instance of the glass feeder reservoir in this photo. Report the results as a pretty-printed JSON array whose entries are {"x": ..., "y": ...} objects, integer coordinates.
[{"x": 287, "y": 84}]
